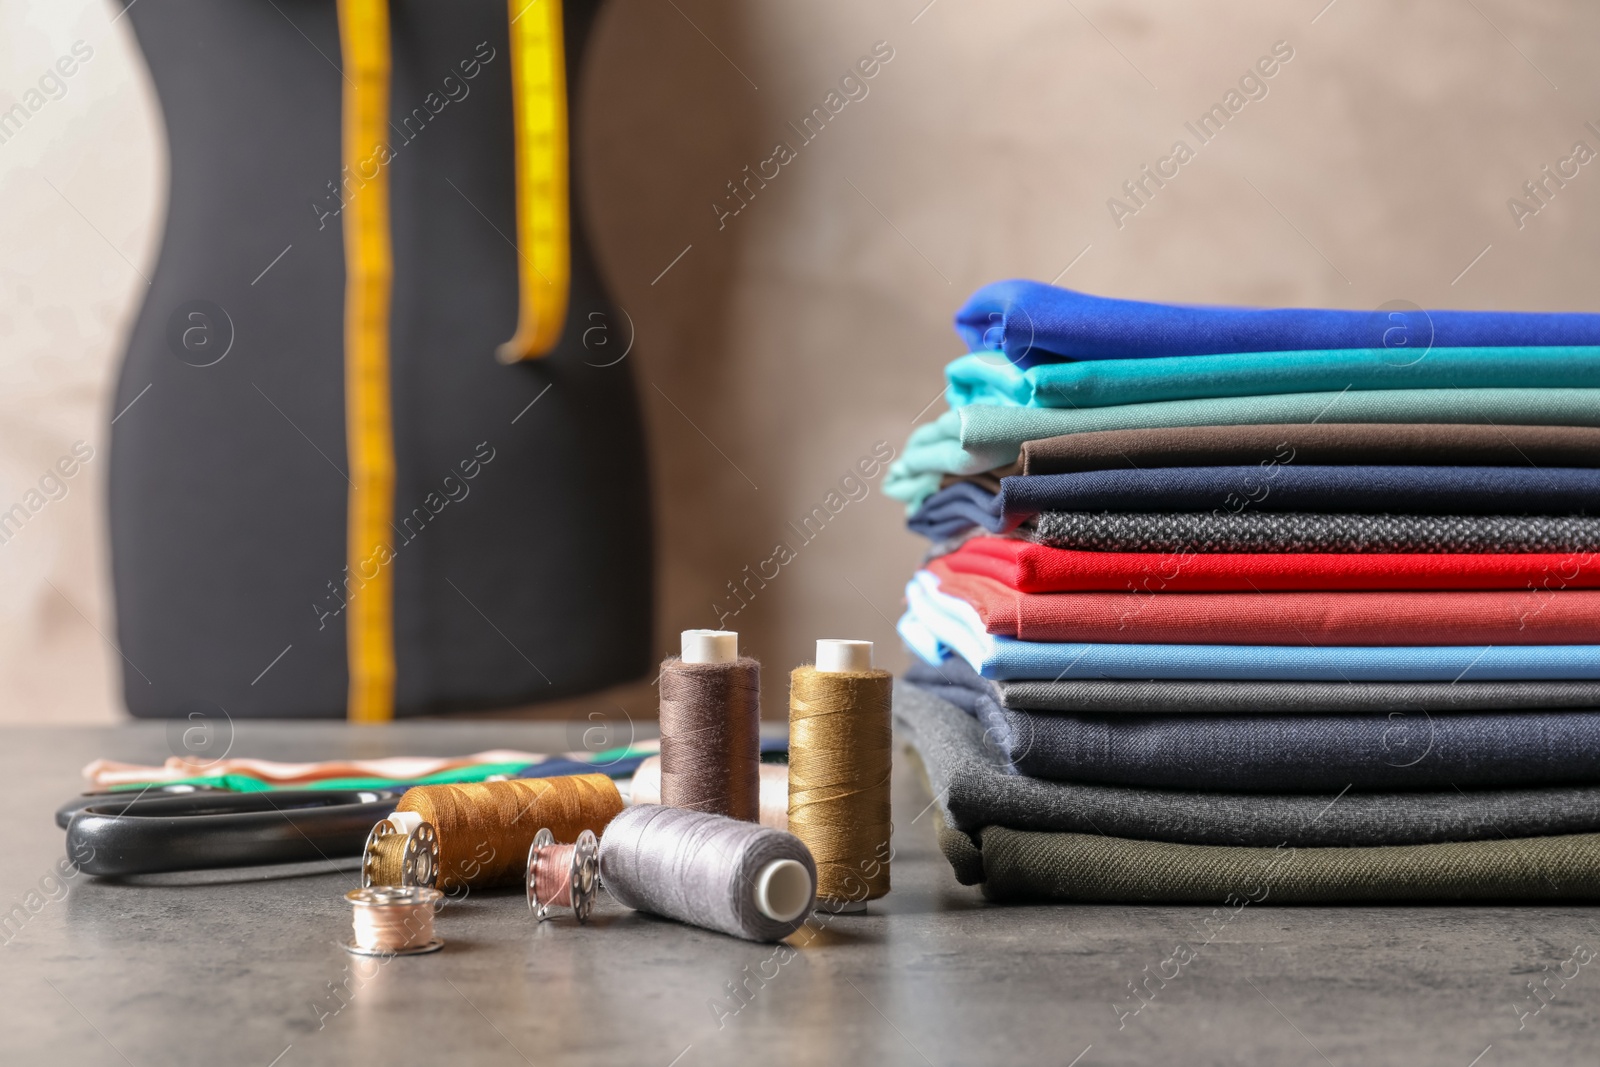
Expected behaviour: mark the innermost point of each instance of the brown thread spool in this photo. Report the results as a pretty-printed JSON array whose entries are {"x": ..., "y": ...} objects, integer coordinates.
[
  {"x": 485, "y": 829},
  {"x": 393, "y": 920},
  {"x": 646, "y": 789},
  {"x": 563, "y": 876},
  {"x": 839, "y": 761},
  {"x": 401, "y": 850},
  {"x": 711, "y": 727}
]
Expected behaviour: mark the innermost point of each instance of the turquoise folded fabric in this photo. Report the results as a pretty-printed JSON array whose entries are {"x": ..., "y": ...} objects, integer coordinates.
[
  {"x": 988, "y": 378},
  {"x": 981, "y": 437}
]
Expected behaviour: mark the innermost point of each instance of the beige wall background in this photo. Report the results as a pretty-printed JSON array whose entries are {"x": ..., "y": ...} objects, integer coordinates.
[{"x": 774, "y": 350}]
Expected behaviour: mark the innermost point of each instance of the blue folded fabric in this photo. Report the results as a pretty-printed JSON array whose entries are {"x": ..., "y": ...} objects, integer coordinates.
[
  {"x": 1036, "y": 323},
  {"x": 987, "y": 378},
  {"x": 937, "y": 625},
  {"x": 1295, "y": 753}
]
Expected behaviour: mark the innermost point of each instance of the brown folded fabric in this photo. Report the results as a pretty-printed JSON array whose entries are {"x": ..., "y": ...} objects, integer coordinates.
[{"x": 1320, "y": 444}]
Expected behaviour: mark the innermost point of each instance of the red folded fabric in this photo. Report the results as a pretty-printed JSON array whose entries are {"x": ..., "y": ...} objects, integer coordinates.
[
  {"x": 1031, "y": 568},
  {"x": 1521, "y": 617}
]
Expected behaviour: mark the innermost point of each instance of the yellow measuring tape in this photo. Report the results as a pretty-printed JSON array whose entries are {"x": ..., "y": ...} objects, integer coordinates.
[
  {"x": 539, "y": 104},
  {"x": 539, "y": 97}
]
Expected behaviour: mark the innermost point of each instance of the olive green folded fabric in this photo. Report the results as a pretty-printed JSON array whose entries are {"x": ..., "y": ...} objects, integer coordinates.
[{"x": 1020, "y": 865}]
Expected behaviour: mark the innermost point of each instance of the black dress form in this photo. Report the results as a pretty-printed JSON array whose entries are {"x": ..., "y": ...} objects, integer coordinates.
[{"x": 528, "y": 580}]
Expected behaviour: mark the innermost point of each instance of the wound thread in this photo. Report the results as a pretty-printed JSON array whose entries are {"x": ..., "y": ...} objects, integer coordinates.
[
  {"x": 840, "y": 751},
  {"x": 486, "y": 828},
  {"x": 709, "y": 870},
  {"x": 711, "y": 737}
]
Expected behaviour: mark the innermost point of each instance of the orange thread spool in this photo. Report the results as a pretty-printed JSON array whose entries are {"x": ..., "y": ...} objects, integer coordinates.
[{"x": 486, "y": 828}]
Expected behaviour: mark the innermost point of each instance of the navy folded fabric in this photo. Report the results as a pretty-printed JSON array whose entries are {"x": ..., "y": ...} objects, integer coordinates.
[
  {"x": 1292, "y": 753},
  {"x": 1250, "y": 531},
  {"x": 970, "y": 783},
  {"x": 1232, "y": 490},
  {"x": 956, "y": 681},
  {"x": 1036, "y": 323}
]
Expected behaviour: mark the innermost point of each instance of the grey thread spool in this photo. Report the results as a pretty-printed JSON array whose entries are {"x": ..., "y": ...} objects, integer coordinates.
[
  {"x": 719, "y": 873},
  {"x": 711, "y": 727}
]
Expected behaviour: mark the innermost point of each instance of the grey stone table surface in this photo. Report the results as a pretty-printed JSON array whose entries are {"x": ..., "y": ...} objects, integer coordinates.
[{"x": 244, "y": 968}]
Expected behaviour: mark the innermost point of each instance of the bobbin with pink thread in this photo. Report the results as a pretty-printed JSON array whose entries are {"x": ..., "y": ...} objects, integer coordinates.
[{"x": 563, "y": 876}]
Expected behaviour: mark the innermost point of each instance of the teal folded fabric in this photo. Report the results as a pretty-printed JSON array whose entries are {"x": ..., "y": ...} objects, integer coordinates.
[
  {"x": 981, "y": 437},
  {"x": 988, "y": 378}
]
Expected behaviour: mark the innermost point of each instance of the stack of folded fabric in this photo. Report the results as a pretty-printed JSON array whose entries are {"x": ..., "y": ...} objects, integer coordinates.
[{"x": 1299, "y": 605}]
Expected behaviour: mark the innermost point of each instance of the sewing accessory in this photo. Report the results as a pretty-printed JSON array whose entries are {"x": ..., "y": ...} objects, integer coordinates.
[
  {"x": 709, "y": 870},
  {"x": 486, "y": 829},
  {"x": 839, "y": 760},
  {"x": 711, "y": 727},
  {"x": 152, "y": 834},
  {"x": 402, "y": 850},
  {"x": 646, "y": 789},
  {"x": 393, "y": 920},
  {"x": 563, "y": 876}
]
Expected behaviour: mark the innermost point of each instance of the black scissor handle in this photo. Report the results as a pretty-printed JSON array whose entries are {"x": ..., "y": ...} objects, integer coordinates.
[
  {"x": 205, "y": 830},
  {"x": 66, "y": 811}
]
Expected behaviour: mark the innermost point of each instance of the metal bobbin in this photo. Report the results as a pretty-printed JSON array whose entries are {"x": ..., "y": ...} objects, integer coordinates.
[
  {"x": 419, "y": 859},
  {"x": 394, "y": 920},
  {"x": 563, "y": 875}
]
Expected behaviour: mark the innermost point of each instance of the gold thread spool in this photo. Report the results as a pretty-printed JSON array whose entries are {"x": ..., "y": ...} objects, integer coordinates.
[
  {"x": 393, "y": 920},
  {"x": 401, "y": 850},
  {"x": 646, "y": 789},
  {"x": 711, "y": 727},
  {"x": 486, "y": 828},
  {"x": 839, "y": 761}
]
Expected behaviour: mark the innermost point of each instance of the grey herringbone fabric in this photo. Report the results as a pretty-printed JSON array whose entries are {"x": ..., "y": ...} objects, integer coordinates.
[{"x": 1308, "y": 532}]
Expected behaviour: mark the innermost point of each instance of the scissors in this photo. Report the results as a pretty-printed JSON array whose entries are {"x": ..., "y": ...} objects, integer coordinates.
[{"x": 111, "y": 835}]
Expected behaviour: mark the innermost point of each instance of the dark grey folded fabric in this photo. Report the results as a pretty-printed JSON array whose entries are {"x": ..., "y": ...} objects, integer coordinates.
[
  {"x": 1252, "y": 531},
  {"x": 970, "y": 784},
  {"x": 954, "y": 679}
]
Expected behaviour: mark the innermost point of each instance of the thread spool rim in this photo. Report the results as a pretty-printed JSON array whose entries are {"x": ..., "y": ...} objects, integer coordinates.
[
  {"x": 843, "y": 656},
  {"x": 777, "y": 892}
]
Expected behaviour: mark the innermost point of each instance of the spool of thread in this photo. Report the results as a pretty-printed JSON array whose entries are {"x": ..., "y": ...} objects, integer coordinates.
[
  {"x": 711, "y": 727},
  {"x": 393, "y": 920},
  {"x": 563, "y": 876},
  {"x": 839, "y": 760},
  {"x": 646, "y": 789},
  {"x": 402, "y": 850},
  {"x": 486, "y": 828},
  {"x": 718, "y": 873}
]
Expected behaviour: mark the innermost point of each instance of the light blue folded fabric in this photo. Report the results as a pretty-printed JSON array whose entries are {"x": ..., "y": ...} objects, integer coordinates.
[
  {"x": 981, "y": 437},
  {"x": 937, "y": 625},
  {"x": 988, "y": 378}
]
